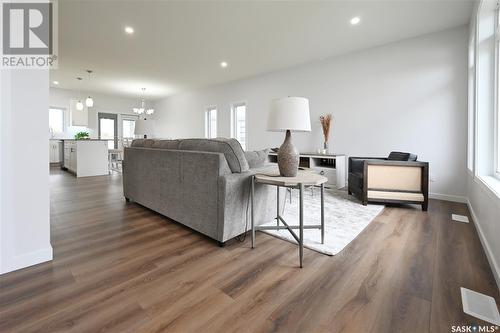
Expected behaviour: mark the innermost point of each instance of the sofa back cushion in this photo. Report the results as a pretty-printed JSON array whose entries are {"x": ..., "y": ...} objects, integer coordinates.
[
  {"x": 400, "y": 156},
  {"x": 231, "y": 148},
  {"x": 143, "y": 143},
  {"x": 166, "y": 144}
]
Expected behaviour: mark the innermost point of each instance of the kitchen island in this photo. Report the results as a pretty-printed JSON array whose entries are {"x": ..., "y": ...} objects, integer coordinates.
[{"x": 85, "y": 158}]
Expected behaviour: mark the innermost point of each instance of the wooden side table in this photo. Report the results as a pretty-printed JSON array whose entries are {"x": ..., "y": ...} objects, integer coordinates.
[{"x": 303, "y": 178}]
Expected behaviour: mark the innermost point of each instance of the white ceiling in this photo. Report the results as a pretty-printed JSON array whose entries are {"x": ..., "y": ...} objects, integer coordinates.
[{"x": 179, "y": 45}]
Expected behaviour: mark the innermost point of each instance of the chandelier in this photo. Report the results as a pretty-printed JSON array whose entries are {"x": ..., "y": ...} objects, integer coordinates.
[{"x": 142, "y": 109}]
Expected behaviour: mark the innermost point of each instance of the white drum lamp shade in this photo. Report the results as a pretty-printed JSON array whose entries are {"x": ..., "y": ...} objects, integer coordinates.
[
  {"x": 144, "y": 128},
  {"x": 289, "y": 113}
]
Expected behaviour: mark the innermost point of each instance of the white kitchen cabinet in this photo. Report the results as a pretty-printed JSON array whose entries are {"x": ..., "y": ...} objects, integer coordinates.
[
  {"x": 78, "y": 117},
  {"x": 55, "y": 151},
  {"x": 86, "y": 158}
]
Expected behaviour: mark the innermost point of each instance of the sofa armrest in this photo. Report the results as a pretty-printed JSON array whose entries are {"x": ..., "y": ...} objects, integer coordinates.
[{"x": 234, "y": 203}]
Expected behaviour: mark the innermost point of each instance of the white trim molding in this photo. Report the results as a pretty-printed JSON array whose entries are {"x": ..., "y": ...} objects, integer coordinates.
[
  {"x": 487, "y": 249},
  {"x": 448, "y": 197},
  {"x": 28, "y": 259}
]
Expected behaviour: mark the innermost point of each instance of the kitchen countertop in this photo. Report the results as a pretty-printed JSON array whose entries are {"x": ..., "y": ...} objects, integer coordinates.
[{"x": 80, "y": 140}]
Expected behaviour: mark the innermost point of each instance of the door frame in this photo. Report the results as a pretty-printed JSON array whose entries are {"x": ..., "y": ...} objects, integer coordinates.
[{"x": 113, "y": 116}]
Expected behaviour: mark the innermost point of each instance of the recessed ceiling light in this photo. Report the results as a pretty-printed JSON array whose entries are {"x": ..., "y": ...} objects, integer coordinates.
[
  {"x": 355, "y": 20},
  {"x": 55, "y": 82},
  {"x": 129, "y": 30},
  {"x": 223, "y": 64}
]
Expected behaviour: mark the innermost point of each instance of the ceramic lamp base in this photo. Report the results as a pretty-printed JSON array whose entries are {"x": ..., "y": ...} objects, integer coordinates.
[{"x": 288, "y": 157}]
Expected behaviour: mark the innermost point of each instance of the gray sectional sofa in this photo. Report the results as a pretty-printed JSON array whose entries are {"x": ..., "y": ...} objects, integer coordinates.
[{"x": 201, "y": 183}]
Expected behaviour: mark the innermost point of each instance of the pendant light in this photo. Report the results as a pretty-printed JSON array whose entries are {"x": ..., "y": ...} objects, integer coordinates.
[
  {"x": 89, "y": 101},
  {"x": 79, "y": 104}
]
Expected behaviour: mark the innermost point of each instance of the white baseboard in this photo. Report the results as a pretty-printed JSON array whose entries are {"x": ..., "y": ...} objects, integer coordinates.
[
  {"x": 487, "y": 249},
  {"x": 26, "y": 260},
  {"x": 448, "y": 197}
]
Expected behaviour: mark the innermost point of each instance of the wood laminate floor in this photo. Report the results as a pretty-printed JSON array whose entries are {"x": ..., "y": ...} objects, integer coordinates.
[{"x": 121, "y": 268}]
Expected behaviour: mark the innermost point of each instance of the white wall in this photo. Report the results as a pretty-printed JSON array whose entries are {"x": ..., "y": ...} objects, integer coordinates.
[
  {"x": 485, "y": 209},
  {"x": 24, "y": 180},
  {"x": 408, "y": 96},
  {"x": 60, "y": 98}
]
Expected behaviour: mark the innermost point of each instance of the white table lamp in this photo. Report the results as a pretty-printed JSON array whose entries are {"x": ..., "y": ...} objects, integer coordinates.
[
  {"x": 144, "y": 127},
  {"x": 289, "y": 114}
]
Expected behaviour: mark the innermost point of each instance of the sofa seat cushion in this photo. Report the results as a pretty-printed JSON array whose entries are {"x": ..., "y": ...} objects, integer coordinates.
[
  {"x": 166, "y": 144},
  {"x": 400, "y": 156},
  {"x": 143, "y": 143},
  {"x": 390, "y": 195},
  {"x": 231, "y": 148},
  {"x": 257, "y": 159}
]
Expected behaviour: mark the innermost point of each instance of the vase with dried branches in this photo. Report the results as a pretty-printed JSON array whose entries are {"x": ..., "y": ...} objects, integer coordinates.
[{"x": 326, "y": 122}]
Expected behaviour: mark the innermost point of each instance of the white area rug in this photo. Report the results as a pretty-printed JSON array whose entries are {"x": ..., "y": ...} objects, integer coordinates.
[{"x": 345, "y": 218}]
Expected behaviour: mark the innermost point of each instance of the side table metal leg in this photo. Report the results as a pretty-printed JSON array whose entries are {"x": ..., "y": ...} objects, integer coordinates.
[
  {"x": 301, "y": 223},
  {"x": 278, "y": 207},
  {"x": 322, "y": 214},
  {"x": 252, "y": 210}
]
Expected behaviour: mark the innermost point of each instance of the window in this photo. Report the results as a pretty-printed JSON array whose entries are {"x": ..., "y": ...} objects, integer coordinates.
[
  {"x": 108, "y": 129},
  {"x": 486, "y": 113},
  {"x": 471, "y": 86},
  {"x": 56, "y": 121},
  {"x": 128, "y": 128},
  {"x": 497, "y": 95},
  {"x": 211, "y": 123},
  {"x": 238, "y": 126}
]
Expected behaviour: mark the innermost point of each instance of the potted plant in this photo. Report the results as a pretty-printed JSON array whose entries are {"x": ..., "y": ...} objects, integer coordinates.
[{"x": 82, "y": 136}]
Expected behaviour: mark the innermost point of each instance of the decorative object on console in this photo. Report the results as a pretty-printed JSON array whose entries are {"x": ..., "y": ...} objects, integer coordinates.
[
  {"x": 144, "y": 128},
  {"x": 289, "y": 114},
  {"x": 89, "y": 102},
  {"x": 326, "y": 122},
  {"x": 82, "y": 136},
  {"x": 399, "y": 178},
  {"x": 142, "y": 109}
]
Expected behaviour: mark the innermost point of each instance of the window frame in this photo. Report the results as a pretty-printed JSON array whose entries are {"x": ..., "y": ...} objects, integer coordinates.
[
  {"x": 496, "y": 166},
  {"x": 471, "y": 105},
  {"x": 208, "y": 121},
  {"x": 234, "y": 106}
]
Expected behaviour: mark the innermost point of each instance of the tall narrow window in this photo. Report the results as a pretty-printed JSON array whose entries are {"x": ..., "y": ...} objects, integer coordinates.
[
  {"x": 108, "y": 128},
  {"x": 128, "y": 129},
  {"x": 497, "y": 95},
  {"x": 238, "y": 127},
  {"x": 56, "y": 121},
  {"x": 471, "y": 101},
  {"x": 211, "y": 123}
]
